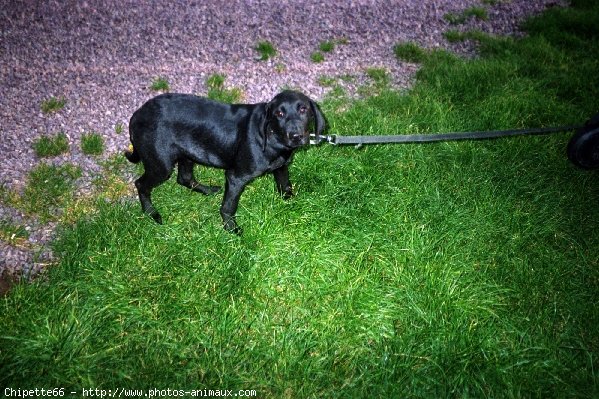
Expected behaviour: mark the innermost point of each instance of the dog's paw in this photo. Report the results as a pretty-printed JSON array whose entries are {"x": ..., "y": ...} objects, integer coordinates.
[
  {"x": 232, "y": 227},
  {"x": 209, "y": 190},
  {"x": 287, "y": 195},
  {"x": 156, "y": 216},
  {"x": 202, "y": 188}
]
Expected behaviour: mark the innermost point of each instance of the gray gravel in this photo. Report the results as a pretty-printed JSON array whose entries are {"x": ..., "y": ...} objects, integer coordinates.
[{"x": 102, "y": 56}]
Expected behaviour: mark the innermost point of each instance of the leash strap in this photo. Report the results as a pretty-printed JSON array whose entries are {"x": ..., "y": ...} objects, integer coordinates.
[{"x": 431, "y": 138}]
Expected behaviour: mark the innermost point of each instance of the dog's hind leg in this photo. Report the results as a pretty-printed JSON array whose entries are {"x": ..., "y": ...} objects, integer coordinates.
[
  {"x": 149, "y": 180},
  {"x": 186, "y": 179}
]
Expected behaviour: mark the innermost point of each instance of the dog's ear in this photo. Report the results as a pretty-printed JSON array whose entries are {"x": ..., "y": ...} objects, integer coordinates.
[
  {"x": 264, "y": 125},
  {"x": 319, "y": 119}
]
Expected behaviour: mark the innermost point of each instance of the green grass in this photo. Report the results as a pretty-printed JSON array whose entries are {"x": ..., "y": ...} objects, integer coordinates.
[
  {"x": 326, "y": 81},
  {"x": 453, "y": 36},
  {"x": 266, "y": 50},
  {"x": 474, "y": 11},
  {"x": 53, "y": 104},
  {"x": 51, "y": 146},
  {"x": 460, "y": 269},
  {"x": 7, "y": 196},
  {"x": 217, "y": 90},
  {"x": 160, "y": 84},
  {"x": 92, "y": 143},
  {"x": 326, "y": 46},
  {"x": 379, "y": 75},
  {"x": 48, "y": 191},
  {"x": 477, "y": 12},
  {"x": 317, "y": 57},
  {"x": 216, "y": 81},
  {"x": 379, "y": 80},
  {"x": 111, "y": 185},
  {"x": 410, "y": 52},
  {"x": 12, "y": 233}
]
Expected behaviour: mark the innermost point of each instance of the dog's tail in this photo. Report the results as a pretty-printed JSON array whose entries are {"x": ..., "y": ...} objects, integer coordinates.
[{"x": 132, "y": 155}]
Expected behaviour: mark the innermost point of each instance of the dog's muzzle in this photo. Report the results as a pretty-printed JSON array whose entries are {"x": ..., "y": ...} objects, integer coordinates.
[{"x": 298, "y": 139}]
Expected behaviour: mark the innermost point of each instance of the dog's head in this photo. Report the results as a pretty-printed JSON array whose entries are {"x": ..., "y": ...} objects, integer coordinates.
[{"x": 289, "y": 116}]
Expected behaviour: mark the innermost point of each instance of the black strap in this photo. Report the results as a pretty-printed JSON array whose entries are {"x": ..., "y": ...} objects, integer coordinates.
[{"x": 431, "y": 138}]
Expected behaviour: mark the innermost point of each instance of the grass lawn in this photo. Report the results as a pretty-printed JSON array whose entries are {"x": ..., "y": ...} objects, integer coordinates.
[{"x": 466, "y": 269}]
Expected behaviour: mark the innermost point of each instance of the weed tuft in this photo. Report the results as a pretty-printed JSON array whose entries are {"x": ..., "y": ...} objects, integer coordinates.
[
  {"x": 410, "y": 52},
  {"x": 479, "y": 13},
  {"x": 160, "y": 84},
  {"x": 317, "y": 57},
  {"x": 266, "y": 50},
  {"x": 48, "y": 146},
  {"x": 379, "y": 81},
  {"x": 216, "y": 81},
  {"x": 454, "y": 19},
  {"x": 53, "y": 104},
  {"x": 218, "y": 92},
  {"x": 12, "y": 233},
  {"x": 471, "y": 12},
  {"x": 49, "y": 189},
  {"x": 92, "y": 143},
  {"x": 380, "y": 76},
  {"x": 326, "y": 81},
  {"x": 327, "y": 46}
]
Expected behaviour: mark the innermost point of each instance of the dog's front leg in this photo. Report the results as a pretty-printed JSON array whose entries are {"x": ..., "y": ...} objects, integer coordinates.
[
  {"x": 281, "y": 176},
  {"x": 234, "y": 186}
]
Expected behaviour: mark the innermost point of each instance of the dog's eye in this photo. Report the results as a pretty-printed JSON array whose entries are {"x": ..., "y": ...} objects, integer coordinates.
[
  {"x": 303, "y": 109},
  {"x": 279, "y": 114}
]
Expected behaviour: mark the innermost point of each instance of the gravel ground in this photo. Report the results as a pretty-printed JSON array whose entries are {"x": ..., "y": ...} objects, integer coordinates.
[{"x": 103, "y": 55}]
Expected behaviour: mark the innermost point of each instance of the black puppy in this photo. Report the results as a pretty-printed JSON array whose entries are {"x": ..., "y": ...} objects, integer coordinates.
[{"x": 247, "y": 140}]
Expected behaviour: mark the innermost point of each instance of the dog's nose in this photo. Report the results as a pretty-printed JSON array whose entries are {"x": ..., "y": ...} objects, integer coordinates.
[
  {"x": 295, "y": 131},
  {"x": 296, "y": 135}
]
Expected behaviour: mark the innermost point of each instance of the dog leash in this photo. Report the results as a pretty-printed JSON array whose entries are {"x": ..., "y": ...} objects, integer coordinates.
[
  {"x": 583, "y": 148},
  {"x": 434, "y": 137}
]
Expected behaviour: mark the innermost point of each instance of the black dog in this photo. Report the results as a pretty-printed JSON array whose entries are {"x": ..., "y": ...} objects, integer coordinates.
[{"x": 247, "y": 140}]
